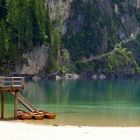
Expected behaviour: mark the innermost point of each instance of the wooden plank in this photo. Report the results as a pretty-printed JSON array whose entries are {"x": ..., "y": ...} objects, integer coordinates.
[
  {"x": 11, "y": 89},
  {"x": 24, "y": 102},
  {"x": 2, "y": 105},
  {"x": 1, "y": 77},
  {"x": 15, "y": 105}
]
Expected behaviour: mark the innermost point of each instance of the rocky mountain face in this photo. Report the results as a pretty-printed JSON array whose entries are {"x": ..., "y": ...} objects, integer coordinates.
[
  {"x": 97, "y": 25},
  {"x": 34, "y": 61},
  {"x": 73, "y": 13},
  {"x": 37, "y": 59},
  {"x": 91, "y": 28}
]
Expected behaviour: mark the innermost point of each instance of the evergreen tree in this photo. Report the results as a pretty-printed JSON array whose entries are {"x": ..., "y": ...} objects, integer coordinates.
[
  {"x": 40, "y": 14},
  {"x": 4, "y": 42},
  {"x": 37, "y": 20},
  {"x": 56, "y": 41},
  {"x": 19, "y": 22},
  {"x": 24, "y": 25},
  {"x": 53, "y": 65},
  {"x": 58, "y": 18},
  {"x": 28, "y": 24},
  {"x": 48, "y": 28},
  {"x": 11, "y": 18},
  {"x": 3, "y": 10},
  {"x": 12, "y": 53},
  {"x": 28, "y": 29}
]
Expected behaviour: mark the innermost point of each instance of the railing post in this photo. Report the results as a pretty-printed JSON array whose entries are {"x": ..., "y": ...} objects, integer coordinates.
[
  {"x": 0, "y": 81},
  {"x": 15, "y": 105},
  {"x": 12, "y": 81},
  {"x": 23, "y": 80},
  {"x": 2, "y": 105}
]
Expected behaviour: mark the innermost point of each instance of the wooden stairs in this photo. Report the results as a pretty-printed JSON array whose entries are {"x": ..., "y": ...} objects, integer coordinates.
[{"x": 25, "y": 102}]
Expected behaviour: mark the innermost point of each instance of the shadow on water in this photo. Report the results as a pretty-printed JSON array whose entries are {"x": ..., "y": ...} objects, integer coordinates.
[{"x": 95, "y": 103}]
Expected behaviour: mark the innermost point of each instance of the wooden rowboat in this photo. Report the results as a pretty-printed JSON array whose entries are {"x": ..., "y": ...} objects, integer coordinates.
[
  {"x": 37, "y": 116},
  {"x": 23, "y": 115},
  {"x": 19, "y": 114},
  {"x": 47, "y": 115},
  {"x": 42, "y": 113},
  {"x": 26, "y": 116}
]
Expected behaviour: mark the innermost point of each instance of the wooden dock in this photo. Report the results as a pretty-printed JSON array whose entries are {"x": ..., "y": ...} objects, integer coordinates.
[
  {"x": 10, "y": 85},
  {"x": 13, "y": 86}
]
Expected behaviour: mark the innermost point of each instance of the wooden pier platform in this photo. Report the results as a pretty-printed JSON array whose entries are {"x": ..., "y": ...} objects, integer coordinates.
[
  {"x": 13, "y": 86},
  {"x": 10, "y": 85}
]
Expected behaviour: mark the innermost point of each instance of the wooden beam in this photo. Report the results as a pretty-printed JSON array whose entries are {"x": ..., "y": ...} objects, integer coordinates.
[
  {"x": 2, "y": 105},
  {"x": 15, "y": 105}
]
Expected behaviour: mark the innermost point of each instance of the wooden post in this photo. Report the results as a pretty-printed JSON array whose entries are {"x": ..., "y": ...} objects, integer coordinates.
[
  {"x": 2, "y": 105},
  {"x": 15, "y": 105}
]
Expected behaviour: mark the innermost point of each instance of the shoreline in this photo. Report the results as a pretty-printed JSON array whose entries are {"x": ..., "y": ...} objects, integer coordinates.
[
  {"x": 75, "y": 76},
  {"x": 22, "y": 131}
]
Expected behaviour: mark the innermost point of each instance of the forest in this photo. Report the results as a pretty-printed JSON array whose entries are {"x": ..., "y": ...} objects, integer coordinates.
[
  {"x": 25, "y": 25},
  {"x": 92, "y": 31}
]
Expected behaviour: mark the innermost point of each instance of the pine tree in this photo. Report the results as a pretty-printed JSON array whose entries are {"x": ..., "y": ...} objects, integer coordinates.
[
  {"x": 40, "y": 13},
  {"x": 58, "y": 18},
  {"x": 3, "y": 10},
  {"x": 11, "y": 18},
  {"x": 48, "y": 28},
  {"x": 37, "y": 20},
  {"x": 4, "y": 41},
  {"x": 12, "y": 57},
  {"x": 19, "y": 22},
  {"x": 28, "y": 28},
  {"x": 53, "y": 65}
]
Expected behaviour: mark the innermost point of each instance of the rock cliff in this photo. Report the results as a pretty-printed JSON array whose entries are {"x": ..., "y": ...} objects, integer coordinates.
[
  {"x": 35, "y": 61},
  {"x": 95, "y": 26},
  {"x": 89, "y": 28}
]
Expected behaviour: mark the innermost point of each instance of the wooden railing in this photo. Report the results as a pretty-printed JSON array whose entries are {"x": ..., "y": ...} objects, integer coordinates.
[{"x": 11, "y": 81}]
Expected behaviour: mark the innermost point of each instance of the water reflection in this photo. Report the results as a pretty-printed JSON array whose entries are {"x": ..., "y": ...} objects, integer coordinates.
[
  {"x": 88, "y": 92},
  {"x": 80, "y": 102}
]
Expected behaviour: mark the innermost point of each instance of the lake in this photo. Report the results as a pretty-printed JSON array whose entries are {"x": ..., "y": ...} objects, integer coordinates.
[{"x": 84, "y": 103}]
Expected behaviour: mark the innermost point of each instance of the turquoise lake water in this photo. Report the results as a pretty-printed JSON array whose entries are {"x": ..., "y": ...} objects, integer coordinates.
[{"x": 84, "y": 103}]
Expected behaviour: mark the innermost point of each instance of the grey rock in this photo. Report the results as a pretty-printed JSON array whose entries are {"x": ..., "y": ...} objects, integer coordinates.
[
  {"x": 94, "y": 77},
  {"x": 51, "y": 76},
  {"x": 102, "y": 77},
  {"x": 58, "y": 77},
  {"x": 72, "y": 76},
  {"x": 36, "y": 78},
  {"x": 36, "y": 61}
]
